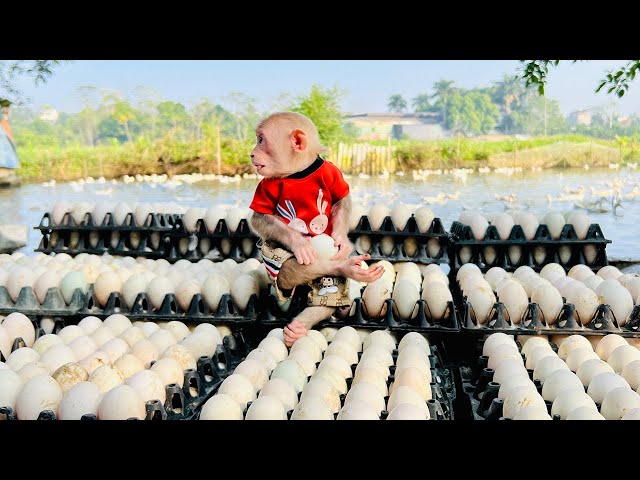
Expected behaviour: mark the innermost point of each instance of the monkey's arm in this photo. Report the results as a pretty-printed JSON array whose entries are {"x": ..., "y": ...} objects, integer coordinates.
[
  {"x": 270, "y": 227},
  {"x": 340, "y": 213}
]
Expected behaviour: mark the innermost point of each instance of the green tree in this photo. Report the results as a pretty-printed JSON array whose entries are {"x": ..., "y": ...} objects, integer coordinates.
[
  {"x": 322, "y": 106},
  {"x": 397, "y": 103},
  {"x": 146, "y": 101},
  {"x": 12, "y": 70},
  {"x": 88, "y": 115},
  {"x": 421, "y": 103},
  {"x": 123, "y": 113},
  {"x": 472, "y": 113},
  {"x": 530, "y": 117},
  {"x": 508, "y": 92},
  {"x": 244, "y": 112},
  {"x": 203, "y": 111},
  {"x": 443, "y": 89},
  {"x": 171, "y": 115},
  {"x": 535, "y": 74}
]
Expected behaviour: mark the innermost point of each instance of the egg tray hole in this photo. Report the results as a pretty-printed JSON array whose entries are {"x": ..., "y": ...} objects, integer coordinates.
[
  {"x": 399, "y": 254},
  {"x": 53, "y": 304},
  {"x": 221, "y": 230},
  {"x": 436, "y": 229},
  {"x": 461, "y": 234},
  {"x": 182, "y": 403},
  {"x": 194, "y": 253},
  {"x": 483, "y": 396},
  {"x": 479, "y": 257},
  {"x": 154, "y": 221},
  {"x": 602, "y": 322},
  {"x": 198, "y": 310},
  {"x": 123, "y": 246}
]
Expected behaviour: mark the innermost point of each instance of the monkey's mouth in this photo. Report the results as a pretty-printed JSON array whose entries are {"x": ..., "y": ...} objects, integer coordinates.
[{"x": 258, "y": 167}]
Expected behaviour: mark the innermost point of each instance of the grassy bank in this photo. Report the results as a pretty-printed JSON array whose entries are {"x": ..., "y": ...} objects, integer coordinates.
[
  {"x": 543, "y": 152},
  {"x": 40, "y": 163},
  {"x": 112, "y": 161}
]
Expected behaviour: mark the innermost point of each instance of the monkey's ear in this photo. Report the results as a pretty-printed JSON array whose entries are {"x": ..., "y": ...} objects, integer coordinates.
[{"x": 298, "y": 140}]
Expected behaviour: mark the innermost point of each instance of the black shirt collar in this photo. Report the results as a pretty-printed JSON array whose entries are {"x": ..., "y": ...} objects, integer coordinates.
[{"x": 307, "y": 171}]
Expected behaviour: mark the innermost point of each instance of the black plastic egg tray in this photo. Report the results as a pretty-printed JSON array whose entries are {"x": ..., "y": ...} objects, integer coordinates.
[
  {"x": 442, "y": 388},
  {"x": 602, "y": 323},
  {"x": 52, "y": 306},
  {"x": 480, "y": 392},
  {"x": 198, "y": 310},
  {"x": 399, "y": 254},
  {"x": 461, "y": 237},
  {"x": 423, "y": 321},
  {"x": 181, "y": 403},
  {"x": 161, "y": 236}
]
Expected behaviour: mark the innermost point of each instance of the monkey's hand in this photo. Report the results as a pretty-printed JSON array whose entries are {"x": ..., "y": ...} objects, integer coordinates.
[
  {"x": 344, "y": 246},
  {"x": 293, "y": 331},
  {"x": 351, "y": 268},
  {"x": 303, "y": 251}
]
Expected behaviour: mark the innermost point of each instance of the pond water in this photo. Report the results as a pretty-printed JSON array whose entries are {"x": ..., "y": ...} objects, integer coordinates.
[{"x": 446, "y": 193}]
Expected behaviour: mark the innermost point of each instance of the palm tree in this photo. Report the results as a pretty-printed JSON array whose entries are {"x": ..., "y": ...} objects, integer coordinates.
[
  {"x": 421, "y": 103},
  {"x": 443, "y": 90},
  {"x": 397, "y": 103},
  {"x": 508, "y": 91}
]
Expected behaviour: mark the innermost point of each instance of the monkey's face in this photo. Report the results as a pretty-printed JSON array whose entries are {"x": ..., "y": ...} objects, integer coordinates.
[{"x": 272, "y": 155}]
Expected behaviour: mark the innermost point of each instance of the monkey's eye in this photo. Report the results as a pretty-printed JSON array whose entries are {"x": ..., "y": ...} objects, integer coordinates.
[{"x": 260, "y": 139}]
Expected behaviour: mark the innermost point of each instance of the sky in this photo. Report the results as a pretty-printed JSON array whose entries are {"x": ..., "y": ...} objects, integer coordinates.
[{"x": 367, "y": 83}]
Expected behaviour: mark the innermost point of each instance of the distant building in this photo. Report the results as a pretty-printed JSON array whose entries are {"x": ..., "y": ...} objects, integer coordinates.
[
  {"x": 624, "y": 120},
  {"x": 379, "y": 126},
  {"x": 49, "y": 114},
  {"x": 581, "y": 117}
]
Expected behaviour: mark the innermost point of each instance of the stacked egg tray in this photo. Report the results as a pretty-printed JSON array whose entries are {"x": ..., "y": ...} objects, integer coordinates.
[
  {"x": 482, "y": 393},
  {"x": 219, "y": 244},
  {"x": 198, "y": 310},
  {"x": 423, "y": 321},
  {"x": 436, "y": 231},
  {"x": 52, "y": 306},
  {"x": 442, "y": 388},
  {"x": 181, "y": 403},
  {"x": 150, "y": 240},
  {"x": 533, "y": 322},
  {"x": 461, "y": 237}
]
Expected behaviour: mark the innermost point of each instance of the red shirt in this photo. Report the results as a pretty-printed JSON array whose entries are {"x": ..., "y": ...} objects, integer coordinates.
[{"x": 303, "y": 200}]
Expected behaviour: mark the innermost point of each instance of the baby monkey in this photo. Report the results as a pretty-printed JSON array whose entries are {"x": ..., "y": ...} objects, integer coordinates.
[{"x": 300, "y": 196}]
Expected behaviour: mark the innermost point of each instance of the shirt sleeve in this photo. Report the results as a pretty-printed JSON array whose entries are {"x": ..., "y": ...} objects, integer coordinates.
[
  {"x": 264, "y": 198},
  {"x": 338, "y": 187}
]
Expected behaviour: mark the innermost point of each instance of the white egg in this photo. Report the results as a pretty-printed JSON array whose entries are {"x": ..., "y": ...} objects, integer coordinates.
[
  {"x": 282, "y": 390},
  {"x": 521, "y": 397},
  {"x": 377, "y": 214},
  {"x": 38, "y": 394},
  {"x": 603, "y": 383},
  {"x": 618, "y": 402},
  {"x": 621, "y": 356},
  {"x": 121, "y": 403},
  {"x": 608, "y": 344},
  {"x": 322, "y": 388}
]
